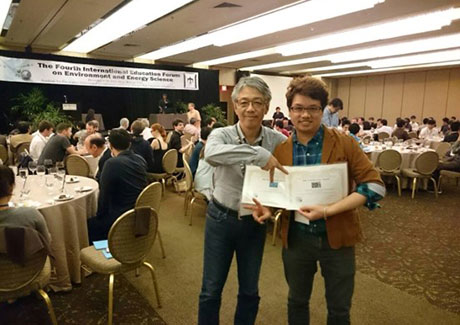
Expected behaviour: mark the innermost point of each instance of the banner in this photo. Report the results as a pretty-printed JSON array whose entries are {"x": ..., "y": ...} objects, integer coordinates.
[{"x": 66, "y": 73}]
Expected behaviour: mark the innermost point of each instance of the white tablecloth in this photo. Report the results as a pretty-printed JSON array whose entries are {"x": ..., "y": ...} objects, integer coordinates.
[{"x": 66, "y": 222}]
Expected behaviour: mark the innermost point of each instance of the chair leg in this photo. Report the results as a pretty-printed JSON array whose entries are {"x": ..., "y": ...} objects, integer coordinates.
[
  {"x": 414, "y": 186},
  {"x": 164, "y": 186},
  {"x": 110, "y": 316},
  {"x": 49, "y": 305},
  {"x": 137, "y": 272},
  {"x": 435, "y": 187},
  {"x": 161, "y": 245},
  {"x": 154, "y": 279},
  {"x": 398, "y": 181},
  {"x": 192, "y": 202},
  {"x": 439, "y": 182}
]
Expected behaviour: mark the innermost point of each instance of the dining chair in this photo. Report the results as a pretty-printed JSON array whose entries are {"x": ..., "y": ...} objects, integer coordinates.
[
  {"x": 128, "y": 251},
  {"x": 21, "y": 280},
  {"x": 191, "y": 195},
  {"x": 383, "y": 136},
  {"x": 388, "y": 164},
  {"x": 442, "y": 149},
  {"x": 168, "y": 136},
  {"x": 77, "y": 165},
  {"x": 169, "y": 163},
  {"x": 448, "y": 174},
  {"x": 22, "y": 148},
  {"x": 276, "y": 218},
  {"x": 4, "y": 154},
  {"x": 151, "y": 197},
  {"x": 425, "y": 164}
]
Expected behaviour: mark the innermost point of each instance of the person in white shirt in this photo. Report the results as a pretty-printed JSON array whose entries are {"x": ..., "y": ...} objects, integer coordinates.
[
  {"x": 382, "y": 126},
  {"x": 45, "y": 129},
  {"x": 413, "y": 123},
  {"x": 147, "y": 133},
  {"x": 430, "y": 131}
]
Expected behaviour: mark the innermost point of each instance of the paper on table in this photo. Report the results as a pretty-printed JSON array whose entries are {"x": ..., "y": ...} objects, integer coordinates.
[{"x": 305, "y": 185}]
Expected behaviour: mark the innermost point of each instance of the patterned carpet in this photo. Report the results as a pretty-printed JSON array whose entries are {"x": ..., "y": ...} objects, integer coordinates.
[
  {"x": 86, "y": 304},
  {"x": 414, "y": 245}
]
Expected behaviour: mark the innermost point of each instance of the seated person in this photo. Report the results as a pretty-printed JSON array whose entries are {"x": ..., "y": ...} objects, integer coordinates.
[
  {"x": 354, "y": 130},
  {"x": 141, "y": 146},
  {"x": 193, "y": 128},
  {"x": 452, "y": 136},
  {"x": 59, "y": 145},
  {"x": 210, "y": 122},
  {"x": 122, "y": 180},
  {"x": 175, "y": 142},
  {"x": 451, "y": 161},
  {"x": 80, "y": 131},
  {"x": 195, "y": 157},
  {"x": 146, "y": 132},
  {"x": 95, "y": 146},
  {"x": 279, "y": 126},
  {"x": 92, "y": 127},
  {"x": 366, "y": 129},
  {"x": 22, "y": 216},
  {"x": 430, "y": 131},
  {"x": 445, "y": 127},
  {"x": 159, "y": 146},
  {"x": 400, "y": 131},
  {"x": 45, "y": 129},
  {"x": 23, "y": 136}
]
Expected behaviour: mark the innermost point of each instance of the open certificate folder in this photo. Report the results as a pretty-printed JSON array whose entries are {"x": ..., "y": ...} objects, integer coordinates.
[{"x": 305, "y": 185}]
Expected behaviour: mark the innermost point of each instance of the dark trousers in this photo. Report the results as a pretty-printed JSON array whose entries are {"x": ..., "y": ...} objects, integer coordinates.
[
  {"x": 98, "y": 228},
  {"x": 300, "y": 265},
  {"x": 226, "y": 235}
]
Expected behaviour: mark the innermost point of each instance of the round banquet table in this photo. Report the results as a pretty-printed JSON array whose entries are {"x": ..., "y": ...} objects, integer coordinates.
[{"x": 66, "y": 221}]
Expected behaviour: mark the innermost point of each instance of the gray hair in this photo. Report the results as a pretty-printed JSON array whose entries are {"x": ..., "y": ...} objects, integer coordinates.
[
  {"x": 146, "y": 122},
  {"x": 124, "y": 122},
  {"x": 253, "y": 82}
]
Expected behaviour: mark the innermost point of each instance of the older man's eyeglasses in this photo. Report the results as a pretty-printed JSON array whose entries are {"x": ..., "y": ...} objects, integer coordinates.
[
  {"x": 312, "y": 110},
  {"x": 256, "y": 103}
]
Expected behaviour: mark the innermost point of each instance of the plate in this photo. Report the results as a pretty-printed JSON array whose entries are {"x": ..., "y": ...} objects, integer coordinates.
[
  {"x": 63, "y": 197},
  {"x": 72, "y": 180},
  {"x": 82, "y": 189}
]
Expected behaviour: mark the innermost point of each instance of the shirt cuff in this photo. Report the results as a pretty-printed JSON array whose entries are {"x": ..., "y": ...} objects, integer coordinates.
[
  {"x": 373, "y": 193},
  {"x": 262, "y": 157}
]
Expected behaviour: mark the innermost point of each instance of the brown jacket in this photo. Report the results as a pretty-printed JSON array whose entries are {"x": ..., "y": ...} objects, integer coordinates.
[{"x": 342, "y": 229}]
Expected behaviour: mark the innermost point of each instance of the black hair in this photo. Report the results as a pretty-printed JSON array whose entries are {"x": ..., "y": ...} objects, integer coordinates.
[
  {"x": 279, "y": 124},
  {"x": 432, "y": 122},
  {"x": 445, "y": 120},
  {"x": 366, "y": 125},
  {"x": 425, "y": 120},
  {"x": 384, "y": 122},
  {"x": 23, "y": 127},
  {"x": 97, "y": 141},
  {"x": 400, "y": 123},
  {"x": 120, "y": 139},
  {"x": 177, "y": 122},
  {"x": 455, "y": 126},
  {"x": 44, "y": 125},
  {"x": 336, "y": 102},
  {"x": 6, "y": 181},
  {"x": 354, "y": 128},
  {"x": 205, "y": 132}
]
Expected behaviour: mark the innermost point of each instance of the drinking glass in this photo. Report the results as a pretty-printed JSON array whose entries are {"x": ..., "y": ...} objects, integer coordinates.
[
  {"x": 48, "y": 164},
  {"x": 41, "y": 171},
  {"x": 49, "y": 183},
  {"x": 32, "y": 166},
  {"x": 23, "y": 172}
]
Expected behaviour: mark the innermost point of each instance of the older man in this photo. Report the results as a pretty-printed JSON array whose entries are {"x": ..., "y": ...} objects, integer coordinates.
[
  {"x": 229, "y": 228},
  {"x": 323, "y": 233},
  {"x": 96, "y": 147}
]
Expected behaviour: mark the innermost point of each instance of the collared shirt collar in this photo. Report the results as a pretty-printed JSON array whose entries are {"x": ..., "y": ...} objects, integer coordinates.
[
  {"x": 241, "y": 136},
  {"x": 318, "y": 137}
]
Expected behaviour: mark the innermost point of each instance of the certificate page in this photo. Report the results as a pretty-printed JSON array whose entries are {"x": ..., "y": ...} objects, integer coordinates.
[{"x": 305, "y": 185}]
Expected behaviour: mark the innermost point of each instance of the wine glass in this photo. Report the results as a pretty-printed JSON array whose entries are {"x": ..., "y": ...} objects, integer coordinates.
[
  {"x": 49, "y": 183},
  {"x": 48, "y": 164},
  {"x": 41, "y": 171},
  {"x": 23, "y": 172},
  {"x": 32, "y": 166}
]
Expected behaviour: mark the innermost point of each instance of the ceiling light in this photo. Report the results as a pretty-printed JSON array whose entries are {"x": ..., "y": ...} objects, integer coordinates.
[
  {"x": 130, "y": 17},
  {"x": 291, "y": 17},
  {"x": 4, "y": 9},
  {"x": 418, "y": 66},
  {"x": 267, "y": 23},
  {"x": 413, "y": 25},
  {"x": 238, "y": 57},
  {"x": 426, "y": 58},
  {"x": 423, "y": 45}
]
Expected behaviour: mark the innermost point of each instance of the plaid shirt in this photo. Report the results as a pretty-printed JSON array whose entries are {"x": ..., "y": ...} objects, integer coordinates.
[
  {"x": 304, "y": 155},
  {"x": 310, "y": 154}
]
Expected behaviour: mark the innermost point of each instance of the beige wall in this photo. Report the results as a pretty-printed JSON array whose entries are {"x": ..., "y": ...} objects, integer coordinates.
[{"x": 422, "y": 93}]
